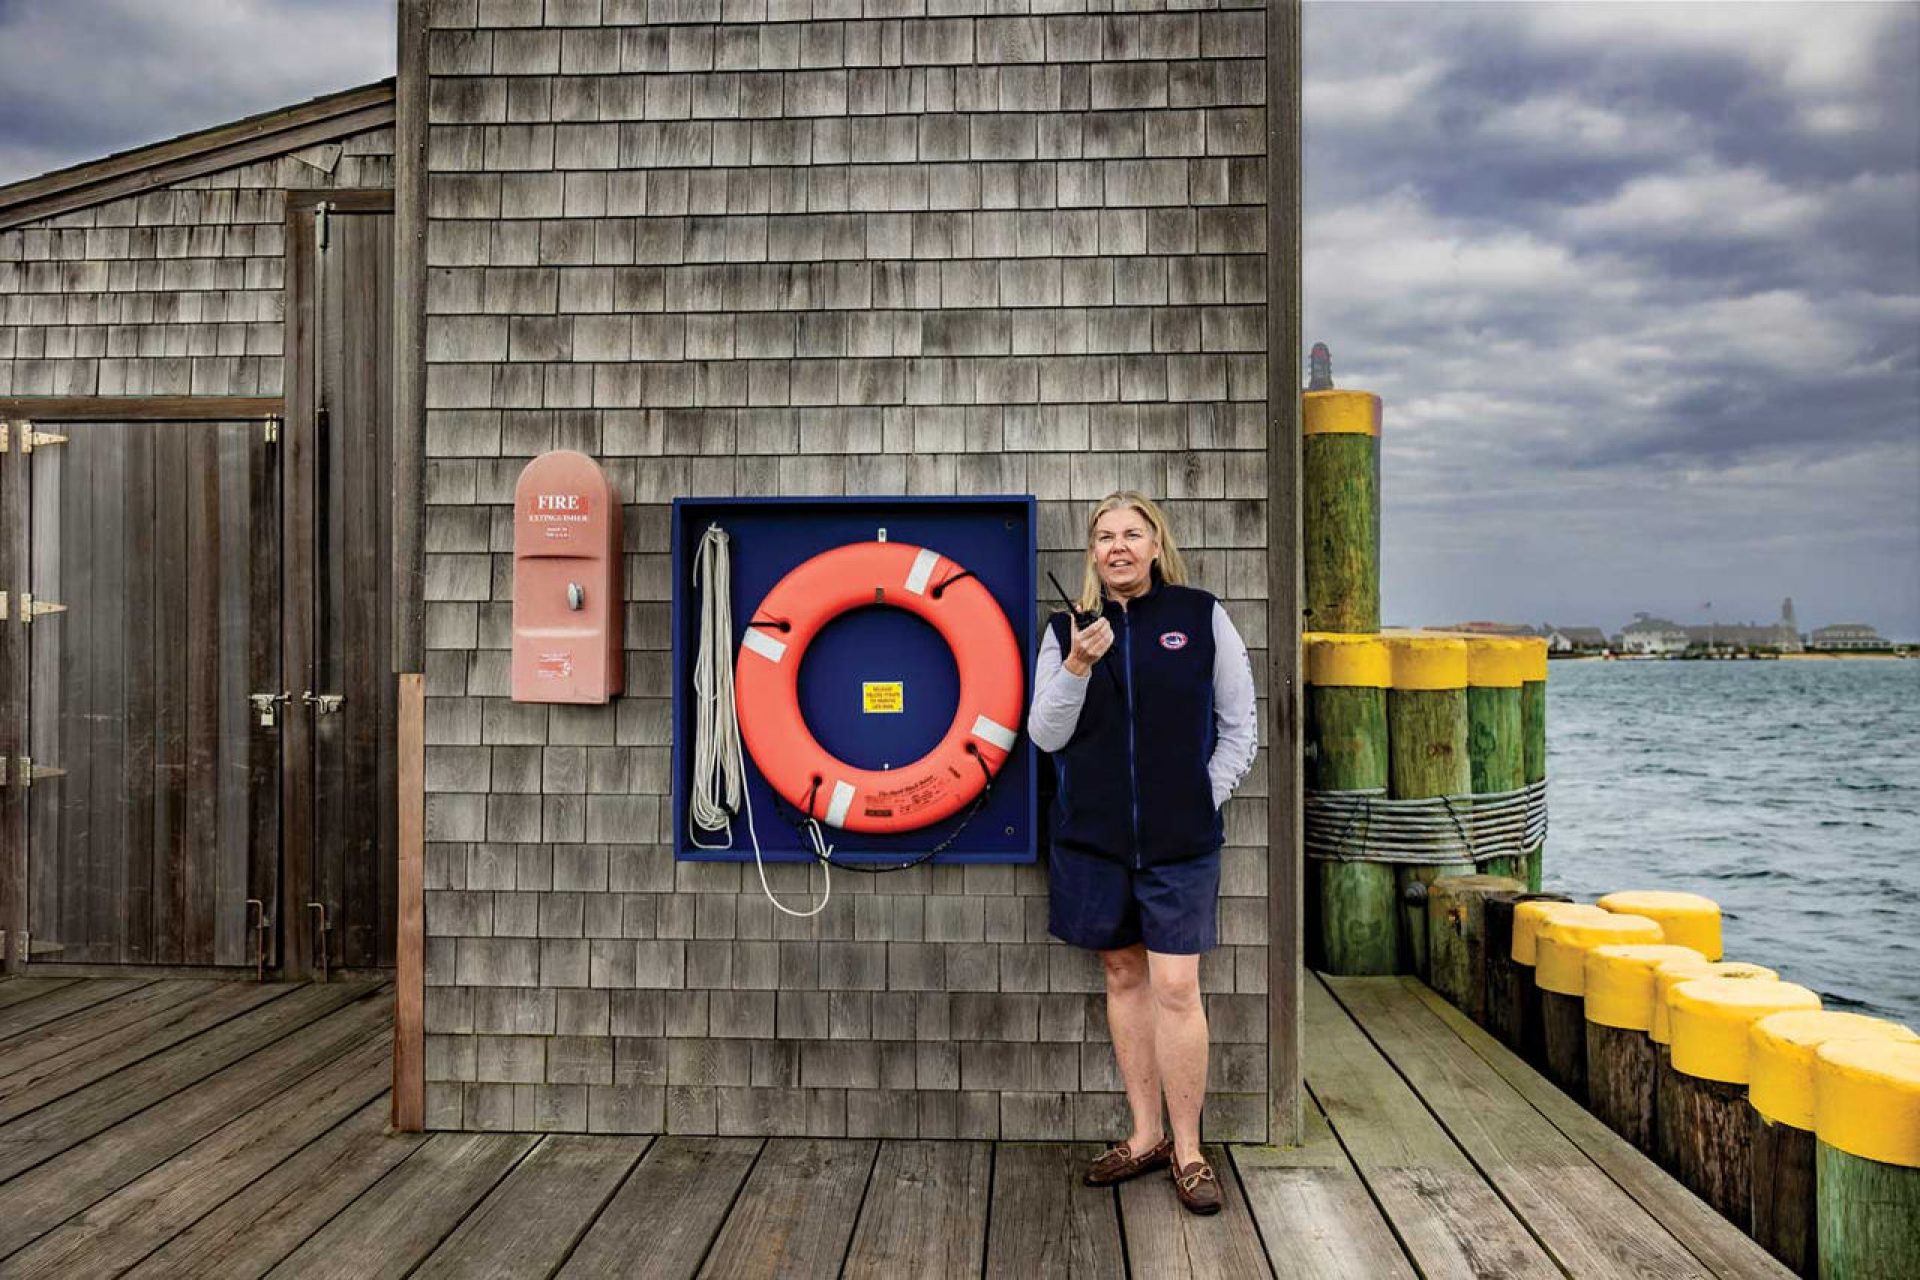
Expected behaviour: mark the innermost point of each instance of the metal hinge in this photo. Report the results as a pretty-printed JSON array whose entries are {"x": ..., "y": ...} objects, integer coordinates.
[
  {"x": 29, "y": 438},
  {"x": 30, "y": 608},
  {"x": 28, "y": 772},
  {"x": 270, "y": 430}
]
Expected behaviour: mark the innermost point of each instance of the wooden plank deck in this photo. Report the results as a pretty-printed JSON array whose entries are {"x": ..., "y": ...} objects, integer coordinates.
[{"x": 186, "y": 1128}]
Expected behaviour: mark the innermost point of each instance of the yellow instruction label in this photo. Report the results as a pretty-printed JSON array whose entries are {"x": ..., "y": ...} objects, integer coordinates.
[{"x": 883, "y": 697}]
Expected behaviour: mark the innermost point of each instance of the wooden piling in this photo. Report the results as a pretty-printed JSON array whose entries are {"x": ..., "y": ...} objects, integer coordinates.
[
  {"x": 1427, "y": 752},
  {"x": 1528, "y": 919},
  {"x": 1782, "y": 1052},
  {"x": 1495, "y": 728},
  {"x": 1867, "y": 1162},
  {"x": 1507, "y": 979},
  {"x": 1622, "y": 1061},
  {"x": 1560, "y": 971},
  {"x": 1667, "y": 1135},
  {"x": 1533, "y": 730},
  {"x": 1712, "y": 1020},
  {"x": 1357, "y": 931},
  {"x": 1457, "y": 938},
  {"x": 1340, "y": 511},
  {"x": 1686, "y": 919}
]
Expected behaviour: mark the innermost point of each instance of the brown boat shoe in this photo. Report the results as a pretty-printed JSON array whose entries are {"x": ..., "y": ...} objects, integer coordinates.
[
  {"x": 1198, "y": 1189},
  {"x": 1118, "y": 1163}
]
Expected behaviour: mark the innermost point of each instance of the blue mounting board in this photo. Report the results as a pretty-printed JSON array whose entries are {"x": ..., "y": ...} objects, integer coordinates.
[{"x": 994, "y": 537}]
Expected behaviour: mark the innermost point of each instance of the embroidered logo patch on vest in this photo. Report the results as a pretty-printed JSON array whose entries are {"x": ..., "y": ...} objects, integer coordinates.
[{"x": 1173, "y": 640}]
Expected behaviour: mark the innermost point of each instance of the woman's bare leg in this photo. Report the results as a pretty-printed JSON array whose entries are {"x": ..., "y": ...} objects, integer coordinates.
[
  {"x": 1180, "y": 1047},
  {"x": 1130, "y": 1021}
]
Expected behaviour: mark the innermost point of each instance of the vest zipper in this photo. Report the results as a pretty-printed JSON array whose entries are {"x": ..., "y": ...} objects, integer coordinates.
[{"x": 1133, "y": 761}]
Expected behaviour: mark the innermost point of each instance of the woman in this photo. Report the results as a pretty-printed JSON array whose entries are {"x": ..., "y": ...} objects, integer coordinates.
[{"x": 1145, "y": 751}]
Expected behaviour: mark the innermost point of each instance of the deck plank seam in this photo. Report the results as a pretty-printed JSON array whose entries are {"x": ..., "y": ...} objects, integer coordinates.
[
  {"x": 146, "y": 1057},
  {"x": 1652, "y": 1210},
  {"x": 866, "y": 1189},
  {"x": 291, "y": 1156},
  {"x": 82, "y": 1043},
  {"x": 57, "y": 1019},
  {"x": 592, "y": 1221},
  {"x": 986, "y": 1232},
  {"x": 1366, "y": 1183},
  {"x": 163, "y": 1098},
  {"x": 1499, "y": 1192},
  {"x": 285, "y": 1086},
  {"x": 733, "y": 1203},
  {"x": 468, "y": 1212}
]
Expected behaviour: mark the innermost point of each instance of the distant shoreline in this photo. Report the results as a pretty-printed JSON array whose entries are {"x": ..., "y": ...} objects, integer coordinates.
[{"x": 1784, "y": 657}]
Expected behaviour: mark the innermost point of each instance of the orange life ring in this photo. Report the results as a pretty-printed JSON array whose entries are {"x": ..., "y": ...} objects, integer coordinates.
[{"x": 767, "y": 693}]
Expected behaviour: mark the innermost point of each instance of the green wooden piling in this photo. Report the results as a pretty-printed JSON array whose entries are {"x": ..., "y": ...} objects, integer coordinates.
[{"x": 1340, "y": 511}]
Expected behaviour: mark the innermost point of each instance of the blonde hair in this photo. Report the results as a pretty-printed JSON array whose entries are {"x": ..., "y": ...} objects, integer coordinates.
[{"x": 1172, "y": 568}]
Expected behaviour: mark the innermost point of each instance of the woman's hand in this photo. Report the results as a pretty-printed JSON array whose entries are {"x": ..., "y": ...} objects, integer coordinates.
[{"x": 1088, "y": 645}]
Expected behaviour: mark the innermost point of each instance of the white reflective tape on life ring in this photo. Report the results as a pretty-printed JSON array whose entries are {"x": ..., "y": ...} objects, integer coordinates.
[
  {"x": 922, "y": 570},
  {"x": 841, "y": 803},
  {"x": 992, "y": 731},
  {"x": 763, "y": 644}
]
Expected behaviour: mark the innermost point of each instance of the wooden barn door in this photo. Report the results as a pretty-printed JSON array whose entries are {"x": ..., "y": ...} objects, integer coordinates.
[
  {"x": 341, "y": 814},
  {"x": 151, "y": 803}
]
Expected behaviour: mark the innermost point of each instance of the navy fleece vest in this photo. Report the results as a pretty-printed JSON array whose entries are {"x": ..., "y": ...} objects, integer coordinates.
[{"x": 1133, "y": 782}]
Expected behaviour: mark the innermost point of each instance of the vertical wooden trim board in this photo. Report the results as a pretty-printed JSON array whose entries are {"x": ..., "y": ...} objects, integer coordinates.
[
  {"x": 410, "y": 340},
  {"x": 297, "y": 599},
  {"x": 1285, "y": 868},
  {"x": 410, "y": 949},
  {"x": 13, "y": 707}
]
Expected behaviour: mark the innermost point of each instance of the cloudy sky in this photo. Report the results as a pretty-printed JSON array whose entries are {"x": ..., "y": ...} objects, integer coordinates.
[{"x": 1640, "y": 284}]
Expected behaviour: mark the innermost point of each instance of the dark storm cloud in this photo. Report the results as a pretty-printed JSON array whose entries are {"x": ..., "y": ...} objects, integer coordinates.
[
  {"x": 1641, "y": 285},
  {"x": 84, "y": 78}
]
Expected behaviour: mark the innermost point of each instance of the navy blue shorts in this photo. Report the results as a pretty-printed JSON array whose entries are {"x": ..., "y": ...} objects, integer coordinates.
[{"x": 1104, "y": 905}]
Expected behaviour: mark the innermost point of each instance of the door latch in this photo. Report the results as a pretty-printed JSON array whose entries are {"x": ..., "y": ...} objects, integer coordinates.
[
  {"x": 325, "y": 704},
  {"x": 264, "y": 705}
]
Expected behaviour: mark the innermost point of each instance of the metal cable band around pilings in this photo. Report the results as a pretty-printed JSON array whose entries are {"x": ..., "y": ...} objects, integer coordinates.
[{"x": 1367, "y": 826}]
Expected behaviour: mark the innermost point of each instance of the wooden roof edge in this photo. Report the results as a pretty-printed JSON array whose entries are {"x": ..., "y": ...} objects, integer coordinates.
[{"x": 194, "y": 154}]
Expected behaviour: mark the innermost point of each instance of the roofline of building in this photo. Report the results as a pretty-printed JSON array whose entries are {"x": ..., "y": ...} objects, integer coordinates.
[{"x": 192, "y": 155}]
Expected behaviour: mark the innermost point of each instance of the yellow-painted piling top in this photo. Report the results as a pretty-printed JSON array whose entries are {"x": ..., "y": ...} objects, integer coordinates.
[
  {"x": 1674, "y": 972},
  {"x": 1781, "y": 1049},
  {"x": 1711, "y": 1017},
  {"x": 1686, "y": 918},
  {"x": 1620, "y": 985},
  {"x": 1337, "y": 660},
  {"x": 1536, "y": 659},
  {"x": 1866, "y": 1099},
  {"x": 1561, "y": 949},
  {"x": 1340, "y": 413},
  {"x": 1427, "y": 662},
  {"x": 1529, "y": 916},
  {"x": 1496, "y": 662}
]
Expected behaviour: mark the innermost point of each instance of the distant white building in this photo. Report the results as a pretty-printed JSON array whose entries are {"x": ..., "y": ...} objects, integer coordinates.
[
  {"x": 1847, "y": 635},
  {"x": 1652, "y": 635},
  {"x": 1576, "y": 640}
]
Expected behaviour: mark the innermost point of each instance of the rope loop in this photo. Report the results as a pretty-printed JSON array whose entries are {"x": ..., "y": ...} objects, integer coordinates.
[{"x": 1368, "y": 826}]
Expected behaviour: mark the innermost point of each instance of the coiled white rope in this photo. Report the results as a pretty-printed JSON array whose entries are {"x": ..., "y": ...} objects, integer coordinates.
[
  {"x": 1366, "y": 826},
  {"x": 718, "y": 766}
]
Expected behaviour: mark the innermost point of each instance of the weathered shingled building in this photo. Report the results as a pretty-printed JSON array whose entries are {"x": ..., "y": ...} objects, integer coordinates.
[{"x": 727, "y": 247}]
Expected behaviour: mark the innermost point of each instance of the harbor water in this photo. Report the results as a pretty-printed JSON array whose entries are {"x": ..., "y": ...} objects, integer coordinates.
[{"x": 1788, "y": 791}]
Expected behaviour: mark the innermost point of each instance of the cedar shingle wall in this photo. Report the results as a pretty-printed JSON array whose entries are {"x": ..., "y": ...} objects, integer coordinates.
[
  {"x": 812, "y": 247},
  {"x": 175, "y": 292}
]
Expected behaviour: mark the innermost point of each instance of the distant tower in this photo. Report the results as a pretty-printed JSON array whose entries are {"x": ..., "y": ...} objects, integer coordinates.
[
  {"x": 1789, "y": 628},
  {"x": 1320, "y": 368}
]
